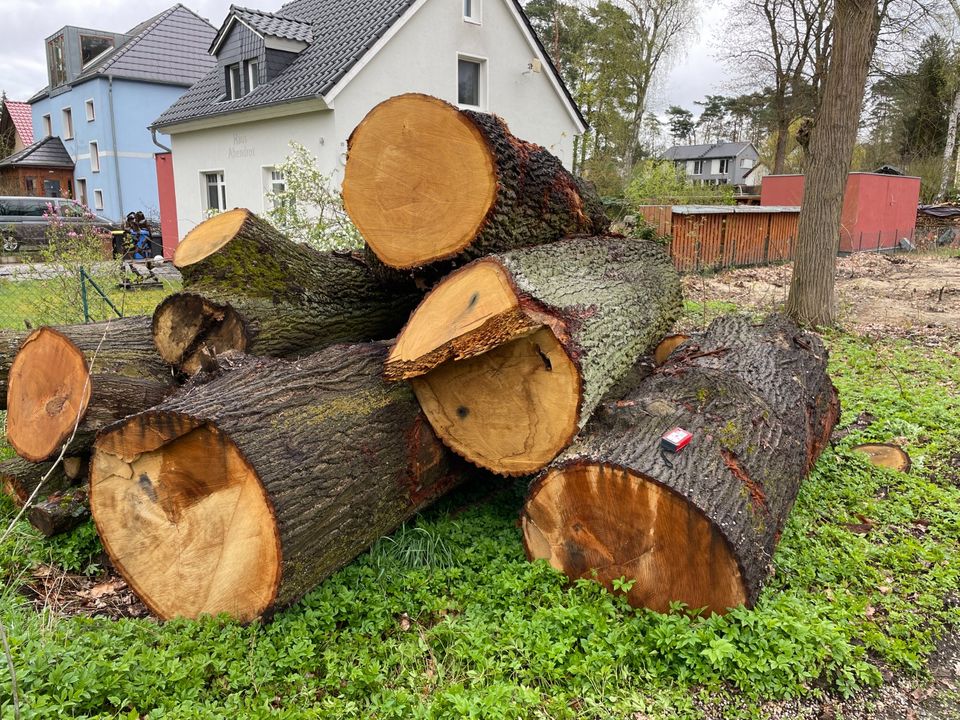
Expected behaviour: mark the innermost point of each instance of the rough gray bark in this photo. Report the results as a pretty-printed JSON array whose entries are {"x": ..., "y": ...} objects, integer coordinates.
[
  {"x": 60, "y": 512},
  {"x": 856, "y": 25},
  {"x": 19, "y": 479},
  {"x": 9, "y": 344},
  {"x": 126, "y": 376},
  {"x": 761, "y": 408},
  {"x": 342, "y": 457},
  {"x": 280, "y": 298}
]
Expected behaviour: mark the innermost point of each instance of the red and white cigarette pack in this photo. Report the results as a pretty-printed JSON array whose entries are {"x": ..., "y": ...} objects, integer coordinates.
[{"x": 675, "y": 440}]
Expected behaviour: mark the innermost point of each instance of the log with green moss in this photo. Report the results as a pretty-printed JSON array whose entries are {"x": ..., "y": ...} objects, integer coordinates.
[
  {"x": 71, "y": 382},
  {"x": 60, "y": 512},
  {"x": 243, "y": 492},
  {"x": 247, "y": 288},
  {"x": 427, "y": 183},
  {"x": 699, "y": 526},
  {"x": 510, "y": 354},
  {"x": 20, "y": 478}
]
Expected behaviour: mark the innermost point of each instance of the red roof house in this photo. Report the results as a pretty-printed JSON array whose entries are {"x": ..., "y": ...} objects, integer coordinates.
[{"x": 16, "y": 127}]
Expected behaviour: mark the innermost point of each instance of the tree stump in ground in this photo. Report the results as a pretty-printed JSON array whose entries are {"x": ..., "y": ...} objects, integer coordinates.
[
  {"x": 510, "y": 354},
  {"x": 886, "y": 455},
  {"x": 426, "y": 182},
  {"x": 250, "y": 289},
  {"x": 83, "y": 377},
  {"x": 241, "y": 494},
  {"x": 699, "y": 527}
]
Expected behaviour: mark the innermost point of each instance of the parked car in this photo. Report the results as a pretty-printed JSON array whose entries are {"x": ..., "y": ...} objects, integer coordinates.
[{"x": 24, "y": 222}]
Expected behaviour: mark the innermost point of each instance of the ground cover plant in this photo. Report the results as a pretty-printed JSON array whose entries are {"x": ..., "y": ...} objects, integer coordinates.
[{"x": 447, "y": 619}]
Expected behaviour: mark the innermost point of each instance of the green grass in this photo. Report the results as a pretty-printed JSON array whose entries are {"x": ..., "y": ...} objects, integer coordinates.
[
  {"x": 29, "y": 300},
  {"x": 446, "y": 619}
]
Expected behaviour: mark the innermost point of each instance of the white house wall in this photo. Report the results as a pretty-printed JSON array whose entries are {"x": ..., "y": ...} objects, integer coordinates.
[{"x": 421, "y": 57}]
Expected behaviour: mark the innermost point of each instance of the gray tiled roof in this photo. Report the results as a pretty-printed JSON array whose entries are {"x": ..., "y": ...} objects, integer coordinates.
[
  {"x": 168, "y": 48},
  {"x": 698, "y": 152},
  {"x": 272, "y": 24},
  {"x": 49, "y": 152},
  {"x": 343, "y": 31}
]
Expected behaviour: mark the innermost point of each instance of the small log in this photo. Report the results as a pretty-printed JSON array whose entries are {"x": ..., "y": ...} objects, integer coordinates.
[
  {"x": 510, "y": 354},
  {"x": 698, "y": 527},
  {"x": 60, "y": 512},
  {"x": 426, "y": 182},
  {"x": 19, "y": 479},
  {"x": 250, "y": 289},
  {"x": 886, "y": 455},
  {"x": 241, "y": 494},
  {"x": 83, "y": 376},
  {"x": 667, "y": 346}
]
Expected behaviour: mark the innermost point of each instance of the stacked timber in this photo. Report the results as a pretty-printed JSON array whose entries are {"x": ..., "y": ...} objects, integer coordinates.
[{"x": 261, "y": 430}]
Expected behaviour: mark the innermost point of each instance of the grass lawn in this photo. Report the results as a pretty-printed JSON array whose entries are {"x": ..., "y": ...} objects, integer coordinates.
[{"x": 448, "y": 620}]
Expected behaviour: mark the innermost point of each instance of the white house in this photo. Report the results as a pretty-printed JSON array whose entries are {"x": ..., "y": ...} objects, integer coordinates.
[{"x": 311, "y": 71}]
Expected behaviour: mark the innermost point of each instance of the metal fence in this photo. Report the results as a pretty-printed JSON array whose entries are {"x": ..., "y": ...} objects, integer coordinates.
[{"x": 36, "y": 295}]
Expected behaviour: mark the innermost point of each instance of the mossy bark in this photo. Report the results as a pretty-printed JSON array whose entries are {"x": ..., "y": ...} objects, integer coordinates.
[
  {"x": 342, "y": 457},
  {"x": 284, "y": 299},
  {"x": 60, "y": 512},
  {"x": 761, "y": 408},
  {"x": 19, "y": 479}
]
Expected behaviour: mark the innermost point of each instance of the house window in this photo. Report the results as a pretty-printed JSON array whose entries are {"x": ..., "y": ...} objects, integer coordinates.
[
  {"x": 81, "y": 192},
  {"x": 215, "y": 192},
  {"x": 724, "y": 166},
  {"x": 91, "y": 112},
  {"x": 56, "y": 63},
  {"x": 746, "y": 163},
  {"x": 471, "y": 11},
  {"x": 92, "y": 47},
  {"x": 94, "y": 157},
  {"x": 470, "y": 82},
  {"x": 234, "y": 85},
  {"x": 698, "y": 167},
  {"x": 98, "y": 199},
  {"x": 67, "y": 123},
  {"x": 253, "y": 75},
  {"x": 30, "y": 183},
  {"x": 47, "y": 126}
]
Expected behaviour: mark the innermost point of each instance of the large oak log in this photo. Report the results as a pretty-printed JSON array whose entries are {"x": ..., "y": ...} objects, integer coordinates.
[
  {"x": 83, "y": 376},
  {"x": 426, "y": 182},
  {"x": 250, "y": 289},
  {"x": 510, "y": 354},
  {"x": 242, "y": 494},
  {"x": 699, "y": 527}
]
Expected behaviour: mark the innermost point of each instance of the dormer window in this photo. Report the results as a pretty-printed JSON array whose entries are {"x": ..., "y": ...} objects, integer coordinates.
[
  {"x": 92, "y": 47},
  {"x": 56, "y": 63},
  {"x": 234, "y": 84},
  {"x": 253, "y": 75}
]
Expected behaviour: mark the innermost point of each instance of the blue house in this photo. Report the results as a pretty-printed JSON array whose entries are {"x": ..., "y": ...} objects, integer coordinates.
[{"x": 104, "y": 89}]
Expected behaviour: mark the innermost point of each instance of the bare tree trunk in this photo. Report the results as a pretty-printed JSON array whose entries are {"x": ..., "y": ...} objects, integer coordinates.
[
  {"x": 856, "y": 26},
  {"x": 783, "y": 135},
  {"x": 946, "y": 174}
]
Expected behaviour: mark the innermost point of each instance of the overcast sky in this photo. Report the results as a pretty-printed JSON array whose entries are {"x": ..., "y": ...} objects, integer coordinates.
[{"x": 27, "y": 23}]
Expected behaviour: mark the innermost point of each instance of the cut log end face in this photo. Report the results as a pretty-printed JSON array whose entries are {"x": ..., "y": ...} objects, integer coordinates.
[
  {"x": 886, "y": 455},
  {"x": 604, "y": 523},
  {"x": 185, "y": 326},
  {"x": 47, "y": 394},
  {"x": 510, "y": 410},
  {"x": 209, "y": 236},
  {"x": 412, "y": 202},
  {"x": 666, "y": 347},
  {"x": 185, "y": 519}
]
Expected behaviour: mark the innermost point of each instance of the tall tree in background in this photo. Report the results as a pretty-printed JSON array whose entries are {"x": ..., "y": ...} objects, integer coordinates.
[
  {"x": 681, "y": 123},
  {"x": 783, "y": 48},
  {"x": 856, "y": 26}
]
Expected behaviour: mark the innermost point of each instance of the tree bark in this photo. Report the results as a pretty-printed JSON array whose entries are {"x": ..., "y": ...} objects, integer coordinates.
[
  {"x": 947, "y": 166},
  {"x": 426, "y": 182},
  {"x": 9, "y": 344},
  {"x": 856, "y": 26},
  {"x": 95, "y": 373},
  {"x": 250, "y": 289},
  {"x": 19, "y": 479},
  {"x": 242, "y": 493},
  {"x": 60, "y": 512},
  {"x": 511, "y": 354},
  {"x": 701, "y": 526}
]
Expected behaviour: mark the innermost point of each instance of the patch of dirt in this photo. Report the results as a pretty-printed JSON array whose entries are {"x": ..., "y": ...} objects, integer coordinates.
[
  {"x": 68, "y": 595},
  {"x": 915, "y": 296}
]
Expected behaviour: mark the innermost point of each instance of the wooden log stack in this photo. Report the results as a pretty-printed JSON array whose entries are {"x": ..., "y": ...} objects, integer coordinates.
[{"x": 267, "y": 424}]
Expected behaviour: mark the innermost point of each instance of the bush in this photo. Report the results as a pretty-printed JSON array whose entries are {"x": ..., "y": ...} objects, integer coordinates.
[{"x": 657, "y": 182}]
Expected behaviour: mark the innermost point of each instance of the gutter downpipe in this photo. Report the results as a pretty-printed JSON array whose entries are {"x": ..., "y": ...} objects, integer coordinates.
[
  {"x": 116, "y": 151},
  {"x": 153, "y": 136}
]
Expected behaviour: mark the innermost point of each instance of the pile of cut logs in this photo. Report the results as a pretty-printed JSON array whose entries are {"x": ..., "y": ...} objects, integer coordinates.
[{"x": 262, "y": 429}]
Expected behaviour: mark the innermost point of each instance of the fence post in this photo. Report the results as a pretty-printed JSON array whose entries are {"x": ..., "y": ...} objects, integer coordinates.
[{"x": 83, "y": 296}]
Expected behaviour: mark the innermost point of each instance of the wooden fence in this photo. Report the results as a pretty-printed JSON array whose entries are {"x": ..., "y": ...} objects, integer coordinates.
[{"x": 712, "y": 237}]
